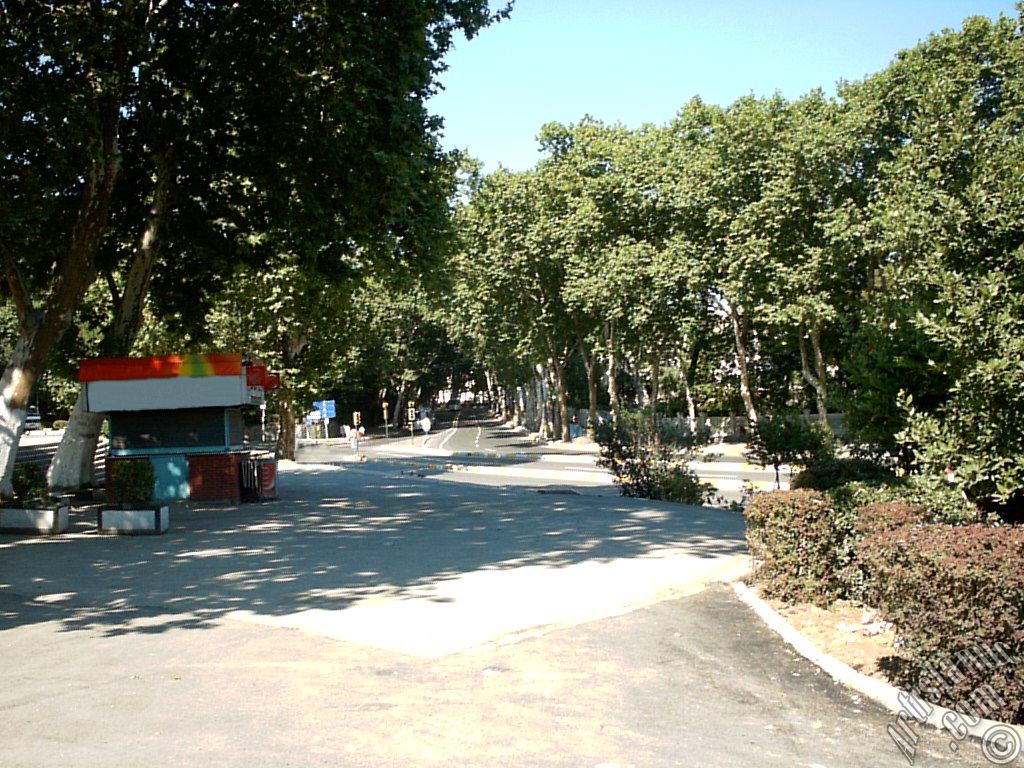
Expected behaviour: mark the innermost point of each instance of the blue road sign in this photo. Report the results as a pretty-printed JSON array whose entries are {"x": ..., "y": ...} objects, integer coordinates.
[{"x": 326, "y": 407}]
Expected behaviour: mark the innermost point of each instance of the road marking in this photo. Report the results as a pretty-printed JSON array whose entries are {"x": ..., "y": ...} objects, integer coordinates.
[{"x": 449, "y": 436}]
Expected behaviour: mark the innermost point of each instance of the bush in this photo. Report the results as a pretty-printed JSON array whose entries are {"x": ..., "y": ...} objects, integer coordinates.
[
  {"x": 649, "y": 470},
  {"x": 888, "y": 516},
  {"x": 824, "y": 476},
  {"x": 634, "y": 428},
  {"x": 946, "y": 503},
  {"x": 29, "y": 483},
  {"x": 798, "y": 550},
  {"x": 60, "y": 424},
  {"x": 652, "y": 472},
  {"x": 682, "y": 486},
  {"x": 133, "y": 482},
  {"x": 635, "y": 468},
  {"x": 790, "y": 439},
  {"x": 950, "y": 590},
  {"x": 808, "y": 540}
]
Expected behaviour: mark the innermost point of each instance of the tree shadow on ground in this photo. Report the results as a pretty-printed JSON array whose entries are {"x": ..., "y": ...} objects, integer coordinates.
[{"x": 335, "y": 537}]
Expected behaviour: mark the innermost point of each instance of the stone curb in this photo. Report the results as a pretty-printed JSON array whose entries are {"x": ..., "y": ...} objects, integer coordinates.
[{"x": 883, "y": 694}]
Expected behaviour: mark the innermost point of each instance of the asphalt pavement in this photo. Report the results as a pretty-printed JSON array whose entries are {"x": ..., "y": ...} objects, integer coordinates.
[
  {"x": 373, "y": 617},
  {"x": 474, "y": 447}
]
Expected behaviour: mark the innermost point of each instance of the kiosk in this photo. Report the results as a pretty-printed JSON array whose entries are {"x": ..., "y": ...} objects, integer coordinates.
[{"x": 184, "y": 413}]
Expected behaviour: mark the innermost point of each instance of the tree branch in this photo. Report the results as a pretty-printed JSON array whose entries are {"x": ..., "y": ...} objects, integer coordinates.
[
  {"x": 16, "y": 283},
  {"x": 115, "y": 295}
]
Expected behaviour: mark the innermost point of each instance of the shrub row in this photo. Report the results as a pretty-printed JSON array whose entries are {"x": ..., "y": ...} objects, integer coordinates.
[
  {"x": 913, "y": 550},
  {"x": 805, "y": 543},
  {"x": 795, "y": 545},
  {"x": 955, "y": 593}
]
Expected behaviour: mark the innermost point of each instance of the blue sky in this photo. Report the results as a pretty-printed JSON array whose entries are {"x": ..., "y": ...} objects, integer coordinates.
[{"x": 637, "y": 61}]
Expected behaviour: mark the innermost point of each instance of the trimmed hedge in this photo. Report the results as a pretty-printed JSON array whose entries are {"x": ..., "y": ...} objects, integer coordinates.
[
  {"x": 887, "y": 516},
  {"x": 945, "y": 503},
  {"x": 819, "y": 562},
  {"x": 796, "y": 546},
  {"x": 805, "y": 543},
  {"x": 951, "y": 590},
  {"x": 854, "y": 483}
]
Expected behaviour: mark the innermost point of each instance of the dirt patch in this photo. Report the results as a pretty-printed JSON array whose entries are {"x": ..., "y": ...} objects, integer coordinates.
[{"x": 851, "y": 633}]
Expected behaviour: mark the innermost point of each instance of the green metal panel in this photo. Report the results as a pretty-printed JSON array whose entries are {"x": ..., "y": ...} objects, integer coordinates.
[{"x": 171, "y": 478}]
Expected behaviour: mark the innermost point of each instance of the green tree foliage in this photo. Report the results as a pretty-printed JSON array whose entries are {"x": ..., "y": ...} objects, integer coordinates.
[
  {"x": 223, "y": 131},
  {"x": 790, "y": 439},
  {"x": 862, "y": 252},
  {"x": 949, "y": 238}
]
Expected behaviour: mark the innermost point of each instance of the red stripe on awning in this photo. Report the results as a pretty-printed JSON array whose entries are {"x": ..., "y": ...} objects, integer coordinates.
[{"x": 156, "y": 367}]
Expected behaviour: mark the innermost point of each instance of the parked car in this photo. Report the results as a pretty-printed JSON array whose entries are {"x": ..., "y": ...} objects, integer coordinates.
[
  {"x": 453, "y": 406},
  {"x": 32, "y": 419}
]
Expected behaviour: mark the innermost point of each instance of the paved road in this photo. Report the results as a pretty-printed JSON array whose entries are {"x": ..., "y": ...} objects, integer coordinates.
[
  {"x": 485, "y": 451},
  {"x": 375, "y": 618}
]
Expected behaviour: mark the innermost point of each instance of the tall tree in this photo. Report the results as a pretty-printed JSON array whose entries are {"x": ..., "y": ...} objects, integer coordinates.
[
  {"x": 302, "y": 125},
  {"x": 949, "y": 238}
]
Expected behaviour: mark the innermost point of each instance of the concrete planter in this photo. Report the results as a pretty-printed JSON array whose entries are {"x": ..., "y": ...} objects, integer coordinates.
[
  {"x": 34, "y": 520},
  {"x": 149, "y": 520}
]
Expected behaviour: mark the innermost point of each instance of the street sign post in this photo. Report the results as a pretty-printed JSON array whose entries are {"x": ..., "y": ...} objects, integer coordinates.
[
  {"x": 412, "y": 419},
  {"x": 385, "y": 419},
  {"x": 327, "y": 412}
]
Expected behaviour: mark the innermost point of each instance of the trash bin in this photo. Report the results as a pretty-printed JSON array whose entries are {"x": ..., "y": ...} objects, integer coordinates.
[
  {"x": 249, "y": 474},
  {"x": 267, "y": 470},
  {"x": 258, "y": 478}
]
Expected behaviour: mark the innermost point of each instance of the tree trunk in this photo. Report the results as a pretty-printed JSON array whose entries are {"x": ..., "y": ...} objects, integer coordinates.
[
  {"x": 13, "y": 409},
  {"x": 399, "y": 417},
  {"x": 613, "y": 387},
  {"x": 292, "y": 345},
  {"x": 691, "y": 409},
  {"x": 816, "y": 378},
  {"x": 590, "y": 364},
  {"x": 554, "y": 403},
  {"x": 655, "y": 382},
  {"x": 73, "y": 463},
  {"x": 491, "y": 389},
  {"x": 689, "y": 371},
  {"x": 641, "y": 398},
  {"x": 563, "y": 401},
  {"x": 542, "y": 402},
  {"x": 286, "y": 435},
  {"x": 739, "y": 327},
  {"x": 40, "y": 330}
]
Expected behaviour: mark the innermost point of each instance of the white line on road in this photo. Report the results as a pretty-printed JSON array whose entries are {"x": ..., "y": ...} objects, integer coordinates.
[{"x": 448, "y": 436}]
